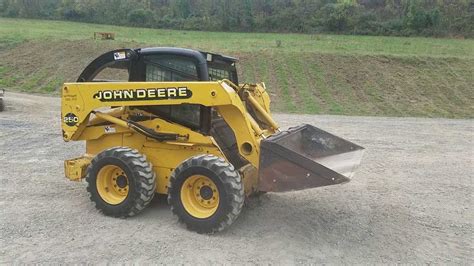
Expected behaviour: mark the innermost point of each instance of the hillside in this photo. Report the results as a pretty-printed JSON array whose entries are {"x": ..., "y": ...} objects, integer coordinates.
[{"x": 328, "y": 74}]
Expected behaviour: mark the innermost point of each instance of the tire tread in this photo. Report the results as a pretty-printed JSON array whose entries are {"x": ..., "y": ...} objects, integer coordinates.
[
  {"x": 232, "y": 183},
  {"x": 142, "y": 170}
]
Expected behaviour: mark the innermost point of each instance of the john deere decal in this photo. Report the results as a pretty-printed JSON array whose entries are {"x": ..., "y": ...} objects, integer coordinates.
[{"x": 143, "y": 94}]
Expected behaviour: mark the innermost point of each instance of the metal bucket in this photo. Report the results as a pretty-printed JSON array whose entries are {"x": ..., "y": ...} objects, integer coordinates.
[{"x": 306, "y": 157}]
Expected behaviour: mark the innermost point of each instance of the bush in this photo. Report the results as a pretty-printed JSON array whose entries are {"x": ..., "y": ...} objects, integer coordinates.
[
  {"x": 11, "y": 11},
  {"x": 71, "y": 14},
  {"x": 337, "y": 17},
  {"x": 366, "y": 24},
  {"x": 140, "y": 17}
]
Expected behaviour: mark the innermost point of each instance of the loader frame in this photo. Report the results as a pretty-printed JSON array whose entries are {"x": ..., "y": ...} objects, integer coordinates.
[{"x": 101, "y": 130}]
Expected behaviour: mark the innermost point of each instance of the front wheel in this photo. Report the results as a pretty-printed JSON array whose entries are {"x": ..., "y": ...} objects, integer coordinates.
[{"x": 206, "y": 193}]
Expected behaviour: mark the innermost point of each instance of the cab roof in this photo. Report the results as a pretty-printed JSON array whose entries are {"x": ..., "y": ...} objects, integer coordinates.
[{"x": 208, "y": 56}]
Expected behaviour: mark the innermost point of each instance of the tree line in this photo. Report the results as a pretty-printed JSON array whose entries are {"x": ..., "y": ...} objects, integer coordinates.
[{"x": 363, "y": 17}]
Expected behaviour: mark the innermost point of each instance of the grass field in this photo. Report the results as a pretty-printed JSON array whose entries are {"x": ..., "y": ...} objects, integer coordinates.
[{"x": 331, "y": 74}]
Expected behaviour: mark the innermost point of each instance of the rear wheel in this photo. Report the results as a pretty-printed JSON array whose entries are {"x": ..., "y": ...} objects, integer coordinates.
[
  {"x": 121, "y": 182},
  {"x": 206, "y": 193}
]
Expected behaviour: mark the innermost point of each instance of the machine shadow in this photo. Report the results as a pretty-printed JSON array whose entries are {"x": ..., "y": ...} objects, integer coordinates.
[{"x": 301, "y": 217}]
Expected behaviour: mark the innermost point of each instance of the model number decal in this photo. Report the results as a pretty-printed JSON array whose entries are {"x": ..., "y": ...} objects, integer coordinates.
[
  {"x": 71, "y": 119},
  {"x": 143, "y": 94}
]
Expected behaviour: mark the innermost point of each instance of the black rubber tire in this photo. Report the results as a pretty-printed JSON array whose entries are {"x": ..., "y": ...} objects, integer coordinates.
[
  {"x": 141, "y": 178},
  {"x": 228, "y": 182}
]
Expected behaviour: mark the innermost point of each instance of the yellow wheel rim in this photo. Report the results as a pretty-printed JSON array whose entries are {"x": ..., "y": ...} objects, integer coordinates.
[
  {"x": 112, "y": 184},
  {"x": 200, "y": 196}
]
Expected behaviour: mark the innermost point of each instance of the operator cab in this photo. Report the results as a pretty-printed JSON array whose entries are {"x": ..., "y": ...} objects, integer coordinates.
[{"x": 175, "y": 64}]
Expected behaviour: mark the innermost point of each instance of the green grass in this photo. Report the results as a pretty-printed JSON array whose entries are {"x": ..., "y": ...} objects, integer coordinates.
[
  {"x": 5, "y": 79},
  {"x": 315, "y": 74},
  {"x": 17, "y": 30}
]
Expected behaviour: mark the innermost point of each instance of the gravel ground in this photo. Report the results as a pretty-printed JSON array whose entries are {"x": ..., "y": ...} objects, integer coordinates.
[{"x": 411, "y": 201}]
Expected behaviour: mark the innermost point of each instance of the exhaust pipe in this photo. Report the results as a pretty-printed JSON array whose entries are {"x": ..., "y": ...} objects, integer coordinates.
[{"x": 306, "y": 157}]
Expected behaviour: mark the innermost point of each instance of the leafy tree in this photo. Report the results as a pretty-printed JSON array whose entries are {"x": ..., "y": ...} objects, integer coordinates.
[{"x": 377, "y": 17}]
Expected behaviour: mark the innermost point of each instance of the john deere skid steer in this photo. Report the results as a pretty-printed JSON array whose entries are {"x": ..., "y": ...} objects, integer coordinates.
[{"x": 177, "y": 122}]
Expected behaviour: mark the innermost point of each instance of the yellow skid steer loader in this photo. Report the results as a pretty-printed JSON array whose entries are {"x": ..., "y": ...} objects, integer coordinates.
[{"x": 177, "y": 122}]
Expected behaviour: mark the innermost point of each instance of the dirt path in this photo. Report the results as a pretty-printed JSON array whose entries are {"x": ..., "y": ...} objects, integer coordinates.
[{"x": 411, "y": 201}]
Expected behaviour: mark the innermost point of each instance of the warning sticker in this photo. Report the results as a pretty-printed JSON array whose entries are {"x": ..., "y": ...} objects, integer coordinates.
[
  {"x": 109, "y": 129},
  {"x": 120, "y": 55}
]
